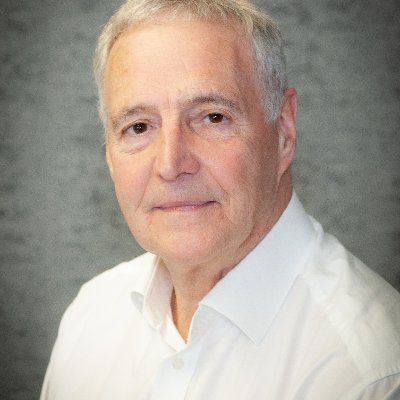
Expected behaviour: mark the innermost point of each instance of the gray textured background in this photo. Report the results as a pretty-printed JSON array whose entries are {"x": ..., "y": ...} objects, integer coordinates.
[{"x": 59, "y": 222}]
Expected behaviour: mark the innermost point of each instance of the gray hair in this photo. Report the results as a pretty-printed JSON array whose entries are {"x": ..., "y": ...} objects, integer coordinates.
[{"x": 263, "y": 33}]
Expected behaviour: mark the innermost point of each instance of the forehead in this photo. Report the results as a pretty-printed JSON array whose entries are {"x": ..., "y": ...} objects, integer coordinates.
[{"x": 178, "y": 56}]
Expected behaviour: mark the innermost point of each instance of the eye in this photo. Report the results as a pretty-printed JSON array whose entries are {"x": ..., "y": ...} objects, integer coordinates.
[
  {"x": 215, "y": 118},
  {"x": 138, "y": 128}
]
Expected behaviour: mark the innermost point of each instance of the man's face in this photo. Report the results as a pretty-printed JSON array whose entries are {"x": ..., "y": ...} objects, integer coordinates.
[{"x": 195, "y": 166}]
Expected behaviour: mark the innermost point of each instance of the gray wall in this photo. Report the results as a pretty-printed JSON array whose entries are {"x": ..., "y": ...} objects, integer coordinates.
[{"x": 59, "y": 222}]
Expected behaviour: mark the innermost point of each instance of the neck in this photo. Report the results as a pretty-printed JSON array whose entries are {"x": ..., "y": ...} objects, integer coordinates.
[{"x": 189, "y": 289}]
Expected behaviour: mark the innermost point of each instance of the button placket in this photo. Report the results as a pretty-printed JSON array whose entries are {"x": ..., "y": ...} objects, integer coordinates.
[
  {"x": 178, "y": 363},
  {"x": 175, "y": 373}
]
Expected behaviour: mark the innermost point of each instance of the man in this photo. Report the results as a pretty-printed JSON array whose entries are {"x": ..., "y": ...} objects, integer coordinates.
[{"x": 242, "y": 295}]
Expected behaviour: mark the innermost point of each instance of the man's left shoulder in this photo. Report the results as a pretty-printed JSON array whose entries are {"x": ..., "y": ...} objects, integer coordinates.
[{"x": 362, "y": 307}]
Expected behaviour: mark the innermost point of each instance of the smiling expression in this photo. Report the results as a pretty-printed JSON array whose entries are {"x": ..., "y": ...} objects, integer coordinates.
[{"x": 194, "y": 162}]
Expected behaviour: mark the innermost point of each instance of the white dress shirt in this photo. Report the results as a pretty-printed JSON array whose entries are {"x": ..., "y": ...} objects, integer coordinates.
[{"x": 299, "y": 318}]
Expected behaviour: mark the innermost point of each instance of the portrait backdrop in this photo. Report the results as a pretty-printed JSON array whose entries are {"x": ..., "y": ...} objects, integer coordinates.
[{"x": 59, "y": 221}]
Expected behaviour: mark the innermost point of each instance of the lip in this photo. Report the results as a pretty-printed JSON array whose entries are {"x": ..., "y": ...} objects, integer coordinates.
[{"x": 183, "y": 206}]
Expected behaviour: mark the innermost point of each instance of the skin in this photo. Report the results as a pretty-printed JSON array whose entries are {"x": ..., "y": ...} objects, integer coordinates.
[{"x": 199, "y": 174}]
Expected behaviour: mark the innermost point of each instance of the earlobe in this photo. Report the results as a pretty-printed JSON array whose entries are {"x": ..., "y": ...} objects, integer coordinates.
[{"x": 286, "y": 126}]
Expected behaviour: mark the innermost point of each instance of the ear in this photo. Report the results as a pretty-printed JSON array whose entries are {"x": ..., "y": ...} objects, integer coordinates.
[
  {"x": 109, "y": 161},
  {"x": 286, "y": 125},
  {"x": 108, "y": 155}
]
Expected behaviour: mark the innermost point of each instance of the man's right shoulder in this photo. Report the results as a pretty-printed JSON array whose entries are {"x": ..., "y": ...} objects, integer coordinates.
[{"x": 117, "y": 281}]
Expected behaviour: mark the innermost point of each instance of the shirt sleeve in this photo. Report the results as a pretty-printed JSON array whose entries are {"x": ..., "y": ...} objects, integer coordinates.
[
  {"x": 45, "y": 393},
  {"x": 59, "y": 350},
  {"x": 387, "y": 388}
]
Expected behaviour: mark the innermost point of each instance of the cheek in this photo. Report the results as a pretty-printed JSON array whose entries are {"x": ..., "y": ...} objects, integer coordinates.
[
  {"x": 244, "y": 165},
  {"x": 238, "y": 176},
  {"x": 265, "y": 155},
  {"x": 249, "y": 173},
  {"x": 228, "y": 165},
  {"x": 130, "y": 177}
]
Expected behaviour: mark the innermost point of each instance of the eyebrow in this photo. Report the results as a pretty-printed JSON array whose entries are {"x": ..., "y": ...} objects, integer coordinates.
[
  {"x": 215, "y": 98},
  {"x": 126, "y": 113}
]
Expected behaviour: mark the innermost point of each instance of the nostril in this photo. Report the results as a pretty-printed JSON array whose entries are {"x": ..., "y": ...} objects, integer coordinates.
[{"x": 170, "y": 168}]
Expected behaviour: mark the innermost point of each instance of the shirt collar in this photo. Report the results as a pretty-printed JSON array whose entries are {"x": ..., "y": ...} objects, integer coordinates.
[
  {"x": 251, "y": 294},
  {"x": 151, "y": 293}
]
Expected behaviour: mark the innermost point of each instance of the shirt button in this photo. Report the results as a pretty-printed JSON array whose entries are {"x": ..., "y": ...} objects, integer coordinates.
[{"x": 178, "y": 363}]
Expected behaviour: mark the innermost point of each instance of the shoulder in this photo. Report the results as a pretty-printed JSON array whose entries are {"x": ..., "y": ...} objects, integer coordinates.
[
  {"x": 120, "y": 277},
  {"x": 363, "y": 308},
  {"x": 110, "y": 290},
  {"x": 96, "y": 323}
]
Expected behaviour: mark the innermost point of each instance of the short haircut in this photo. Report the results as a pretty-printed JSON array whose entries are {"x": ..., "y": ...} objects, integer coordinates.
[{"x": 263, "y": 33}]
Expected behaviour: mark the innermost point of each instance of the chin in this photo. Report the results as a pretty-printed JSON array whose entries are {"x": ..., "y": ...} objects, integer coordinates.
[{"x": 185, "y": 251}]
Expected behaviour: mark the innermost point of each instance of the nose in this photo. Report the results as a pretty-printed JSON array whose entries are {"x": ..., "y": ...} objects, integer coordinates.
[{"x": 175, "y": 153}]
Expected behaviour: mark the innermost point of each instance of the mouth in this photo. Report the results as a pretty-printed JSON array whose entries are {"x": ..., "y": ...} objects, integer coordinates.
[{"x": 182, "y": 206}]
